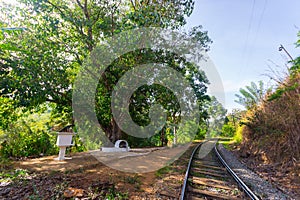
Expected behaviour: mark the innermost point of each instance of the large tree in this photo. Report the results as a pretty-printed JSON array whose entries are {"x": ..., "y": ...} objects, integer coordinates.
[{"x": 56, "y": 37}]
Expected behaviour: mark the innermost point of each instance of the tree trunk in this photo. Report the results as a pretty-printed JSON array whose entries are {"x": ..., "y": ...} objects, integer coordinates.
[
  {"x": 115, "y": 131},
  {"x": 162, "y": 137}
]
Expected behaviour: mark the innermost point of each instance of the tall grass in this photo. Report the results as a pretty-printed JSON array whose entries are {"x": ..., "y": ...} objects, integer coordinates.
[{"x": 273, "y": 128}]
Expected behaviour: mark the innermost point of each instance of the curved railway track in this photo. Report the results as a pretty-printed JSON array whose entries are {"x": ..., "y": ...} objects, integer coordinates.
[{"x": 209, "y": 177}]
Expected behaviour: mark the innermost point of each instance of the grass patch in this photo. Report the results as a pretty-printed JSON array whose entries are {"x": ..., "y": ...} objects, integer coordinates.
[
  {"x": 132, "y": 179},
  {"x": 228, "y": 144},
  {"x": 12, "y": 175},
  {"x": 162, "y": 171},
  {"x": 73, "y": 171},
  {"x": 114, "y": 194}
]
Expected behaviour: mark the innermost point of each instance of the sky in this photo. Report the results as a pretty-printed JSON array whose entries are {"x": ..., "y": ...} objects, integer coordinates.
[{"x": 246, "y": 37}]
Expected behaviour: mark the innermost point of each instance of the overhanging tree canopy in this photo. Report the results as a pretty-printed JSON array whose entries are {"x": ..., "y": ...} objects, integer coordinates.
[{"x": 44, "y": 58}]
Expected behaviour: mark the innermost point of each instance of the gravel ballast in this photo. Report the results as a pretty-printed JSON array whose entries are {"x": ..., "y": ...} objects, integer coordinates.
[{"x": 260, "y": 187}]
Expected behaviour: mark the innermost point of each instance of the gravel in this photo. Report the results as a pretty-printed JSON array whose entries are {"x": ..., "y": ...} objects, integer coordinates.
[{"x": 260, "y": 187}]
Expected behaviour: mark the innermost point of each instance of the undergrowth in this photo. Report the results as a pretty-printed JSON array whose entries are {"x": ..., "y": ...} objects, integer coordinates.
[{"x": 272, "y": 130}]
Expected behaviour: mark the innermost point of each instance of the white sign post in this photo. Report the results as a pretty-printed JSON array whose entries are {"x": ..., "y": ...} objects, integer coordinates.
[{"x": 64, "y": 140}]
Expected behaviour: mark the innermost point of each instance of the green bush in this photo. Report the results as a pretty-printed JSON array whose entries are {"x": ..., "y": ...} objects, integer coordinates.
[
  {"x": 21, "y": 141},
  {"x": 238, "y": 136},
  {"x": 30, "y": 136},
  {"x": 228, "y": 130},
  {"x": 78, "y": 145}
]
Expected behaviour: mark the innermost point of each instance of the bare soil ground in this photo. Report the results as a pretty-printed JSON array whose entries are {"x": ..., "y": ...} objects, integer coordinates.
[
  {"x": 84, "y": 177},
  {"x": 285, "y": 178}
]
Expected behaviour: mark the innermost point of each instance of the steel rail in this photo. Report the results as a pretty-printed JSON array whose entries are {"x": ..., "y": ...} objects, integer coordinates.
[
  {"x": 188, "y": 171},
  {"x": 236, "y": 178}
]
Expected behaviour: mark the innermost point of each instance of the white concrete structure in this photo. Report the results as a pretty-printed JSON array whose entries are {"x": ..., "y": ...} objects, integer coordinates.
[
  {"x": 120, "y": 146},
  {"x": 64, "y": 140}
]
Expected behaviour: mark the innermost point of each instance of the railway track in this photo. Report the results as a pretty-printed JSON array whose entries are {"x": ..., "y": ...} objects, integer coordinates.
[{"x": 209, "y": 177}]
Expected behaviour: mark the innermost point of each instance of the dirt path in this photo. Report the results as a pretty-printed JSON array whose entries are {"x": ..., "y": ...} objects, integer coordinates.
[
  {"x": 47, "y": 164},
  {"x": 85, "y": 177},
  {"x": 148, "y": 160}
]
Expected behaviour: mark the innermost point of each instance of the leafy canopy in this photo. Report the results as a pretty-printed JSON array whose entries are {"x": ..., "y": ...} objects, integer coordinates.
[{"x": 40, "y": 61}]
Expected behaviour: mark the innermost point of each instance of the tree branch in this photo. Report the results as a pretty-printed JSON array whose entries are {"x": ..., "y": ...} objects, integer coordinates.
[{"x": 133, "y": 5}]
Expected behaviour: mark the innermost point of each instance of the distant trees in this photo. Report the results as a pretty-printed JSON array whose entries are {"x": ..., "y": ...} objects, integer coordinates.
[
  {"x": 217, "y": 116},
  {"x": 232, "y": 122}
]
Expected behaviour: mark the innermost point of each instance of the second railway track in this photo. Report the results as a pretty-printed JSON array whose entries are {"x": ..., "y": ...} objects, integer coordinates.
[{"x": 209, "y": 177}]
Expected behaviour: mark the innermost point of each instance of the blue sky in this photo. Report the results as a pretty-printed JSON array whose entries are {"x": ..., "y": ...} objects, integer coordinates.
[{"x": 246, "y": 36}]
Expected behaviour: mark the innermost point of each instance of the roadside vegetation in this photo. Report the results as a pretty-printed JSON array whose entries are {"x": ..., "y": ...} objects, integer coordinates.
[
  {"x": 267, "y": 136},
  {"x": 272, "y": 128}
]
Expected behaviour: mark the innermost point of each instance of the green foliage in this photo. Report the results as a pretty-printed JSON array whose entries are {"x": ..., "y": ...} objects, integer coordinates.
[
  {"x": 283, "y": 88},
  {"x": 35, "y": 69},
  {"x": 40, "y": 60},
  {"x": 162, "y": 171},
  {"x": 12, "y": 175},
  {"x": 296, "y": 66},
  {"x": 228, "y": 130},
  {"x": 79, "y": 145},
  {"x": 8, "y": 112},
  {"x": 217, "y": 114},
  {"x": 238, "y": 136},
  {"x": 114, "y": 194},
  {"x": 252, "y": 95},
  {"x": 202, "y": 131},
  {"x": 232, "y": 122},
  {"x": 159, "y": 14},
  {"x": 145, "y": 96},
  {"x": 184, "y": 134},
  {"x": 132, "y": 179},
  {"x": 30, "y": 135},
  {"x": 233, "y": 128}
]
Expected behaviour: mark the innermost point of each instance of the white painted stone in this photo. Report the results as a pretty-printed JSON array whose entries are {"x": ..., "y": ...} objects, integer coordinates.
[
  {"x": 117, "y": 147},
  {"x": 120, "y": 142}
]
